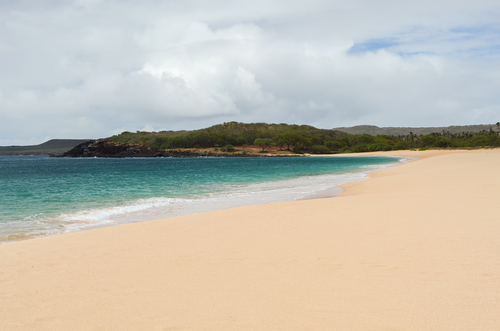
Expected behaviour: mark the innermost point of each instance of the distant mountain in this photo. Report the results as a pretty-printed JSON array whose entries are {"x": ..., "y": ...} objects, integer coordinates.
[
  {"x": 54, "y": 146},
  {"x": 395, "y": 131}
]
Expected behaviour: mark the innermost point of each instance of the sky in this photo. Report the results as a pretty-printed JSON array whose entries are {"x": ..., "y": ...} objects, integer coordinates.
[{"x": 92, "y": 68}]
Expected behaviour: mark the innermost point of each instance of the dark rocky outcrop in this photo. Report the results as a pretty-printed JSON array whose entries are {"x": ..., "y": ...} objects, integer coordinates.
[{"x": 105, "y": 148}]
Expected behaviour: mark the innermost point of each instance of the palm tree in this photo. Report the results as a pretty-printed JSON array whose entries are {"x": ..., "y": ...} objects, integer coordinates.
[{"x": 498, "y": 126}]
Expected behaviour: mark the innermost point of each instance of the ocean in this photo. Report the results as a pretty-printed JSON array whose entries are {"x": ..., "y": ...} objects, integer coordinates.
[{"x": 42, "y": 196}]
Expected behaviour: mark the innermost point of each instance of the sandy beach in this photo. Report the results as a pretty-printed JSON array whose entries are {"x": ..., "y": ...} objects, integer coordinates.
[{"x": 415, "y": 247}]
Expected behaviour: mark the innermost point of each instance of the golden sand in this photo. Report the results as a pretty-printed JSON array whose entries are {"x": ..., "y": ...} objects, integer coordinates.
[{"x": 416, "y": 247}]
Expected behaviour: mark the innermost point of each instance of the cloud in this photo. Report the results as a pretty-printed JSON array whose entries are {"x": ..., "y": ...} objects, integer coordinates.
[{"x": 84, "y": 69}]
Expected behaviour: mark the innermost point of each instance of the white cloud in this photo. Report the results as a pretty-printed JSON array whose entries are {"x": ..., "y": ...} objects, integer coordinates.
[{"x": 82, "y": 69}]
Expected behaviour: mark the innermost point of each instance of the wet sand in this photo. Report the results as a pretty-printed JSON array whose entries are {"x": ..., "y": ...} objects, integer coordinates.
[{"x": 415, "y": 247}]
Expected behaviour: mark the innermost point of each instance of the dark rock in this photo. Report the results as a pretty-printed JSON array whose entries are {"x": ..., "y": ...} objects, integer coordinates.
[{"x": 105, "y": 148}]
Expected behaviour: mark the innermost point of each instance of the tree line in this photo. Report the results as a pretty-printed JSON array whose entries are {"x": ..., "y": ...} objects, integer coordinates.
[{"x": 302, "y": 139}]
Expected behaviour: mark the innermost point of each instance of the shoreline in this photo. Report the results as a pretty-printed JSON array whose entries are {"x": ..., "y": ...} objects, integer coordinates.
[
  {"x": 305, "y": 186},
  {"x": 415, "y": 247}
]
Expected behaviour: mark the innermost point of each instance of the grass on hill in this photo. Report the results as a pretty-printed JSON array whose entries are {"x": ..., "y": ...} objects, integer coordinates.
[{"x": 303, "y": 139}]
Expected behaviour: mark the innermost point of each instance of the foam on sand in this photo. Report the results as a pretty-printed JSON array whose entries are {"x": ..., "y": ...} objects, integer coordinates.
[{"x": 223, "y": 196}]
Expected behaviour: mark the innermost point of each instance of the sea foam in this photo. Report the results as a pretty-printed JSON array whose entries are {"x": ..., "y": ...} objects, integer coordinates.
[{"x": 224, "y": 197}]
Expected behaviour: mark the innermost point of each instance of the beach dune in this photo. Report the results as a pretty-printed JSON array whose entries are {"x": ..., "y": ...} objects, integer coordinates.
[{"x": 415, "y": 247}]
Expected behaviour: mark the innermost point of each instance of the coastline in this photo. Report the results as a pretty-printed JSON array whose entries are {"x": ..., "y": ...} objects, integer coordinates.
[
  {"x": 415, "y": 247},
  {"x": 256, "y": 181}
]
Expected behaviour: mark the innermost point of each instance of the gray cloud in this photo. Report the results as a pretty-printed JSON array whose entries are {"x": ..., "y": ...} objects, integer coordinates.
[{"x": 91, "y": 68}]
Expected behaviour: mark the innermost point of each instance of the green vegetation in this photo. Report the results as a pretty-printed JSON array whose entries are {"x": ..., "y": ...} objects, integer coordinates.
[
  {"x": 228, "y": 149},
  {"x": 302, "y": 139},
  {"x": 395, "y": 131},
  {"x": 297, "y": 139},
  {"x": 264, "y": 143}
]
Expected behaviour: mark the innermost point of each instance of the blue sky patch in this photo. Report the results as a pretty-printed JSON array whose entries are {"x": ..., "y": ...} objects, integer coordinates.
[{"x": 372, "y": 45}]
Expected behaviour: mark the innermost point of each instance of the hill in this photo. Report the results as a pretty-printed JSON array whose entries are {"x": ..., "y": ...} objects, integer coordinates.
[
  {"x": 403, "y": 131},
  {"x": 245, "y": 138},
  {"x": 54, "y": 146}
]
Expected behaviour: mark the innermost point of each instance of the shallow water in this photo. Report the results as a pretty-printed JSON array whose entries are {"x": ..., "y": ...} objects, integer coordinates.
[{"x": 43, "y": 196}]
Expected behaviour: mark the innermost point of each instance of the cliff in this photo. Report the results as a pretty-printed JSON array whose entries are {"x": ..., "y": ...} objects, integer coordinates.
[{"x": 105, "y": 148}]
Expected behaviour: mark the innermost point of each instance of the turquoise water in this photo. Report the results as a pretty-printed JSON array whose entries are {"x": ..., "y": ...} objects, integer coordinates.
[{"x": 42, "y": 196}]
